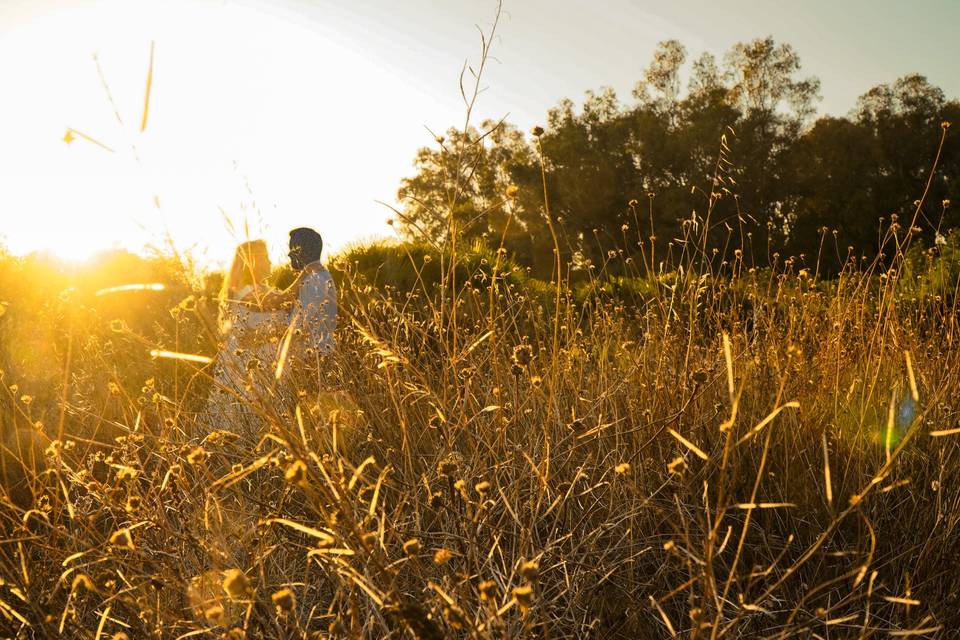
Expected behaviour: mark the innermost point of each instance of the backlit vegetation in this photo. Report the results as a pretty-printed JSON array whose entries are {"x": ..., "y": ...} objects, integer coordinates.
[{"x": 693, "y": 444}]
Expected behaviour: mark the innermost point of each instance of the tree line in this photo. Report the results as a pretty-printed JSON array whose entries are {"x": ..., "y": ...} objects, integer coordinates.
[{"x": 736, "y": 151}]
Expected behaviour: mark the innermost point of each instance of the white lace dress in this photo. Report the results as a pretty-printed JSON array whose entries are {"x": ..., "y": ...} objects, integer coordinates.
[{"x": 242, "y": 389}]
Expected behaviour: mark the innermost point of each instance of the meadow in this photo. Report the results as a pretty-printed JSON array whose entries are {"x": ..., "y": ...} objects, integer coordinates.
[
  {"x": 708, "y": 450},
  {"x": 696, "y": 436}
]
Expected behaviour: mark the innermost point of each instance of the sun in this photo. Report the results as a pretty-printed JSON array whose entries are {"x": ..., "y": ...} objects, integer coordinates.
[{"x": 218, "y": 138}]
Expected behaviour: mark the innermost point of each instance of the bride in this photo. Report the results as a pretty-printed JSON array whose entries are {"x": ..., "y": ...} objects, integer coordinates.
[{"x": 249, "y": 337}]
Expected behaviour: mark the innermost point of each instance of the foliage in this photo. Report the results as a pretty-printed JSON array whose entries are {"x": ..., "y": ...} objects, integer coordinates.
[{"x": 742, "y": 132}]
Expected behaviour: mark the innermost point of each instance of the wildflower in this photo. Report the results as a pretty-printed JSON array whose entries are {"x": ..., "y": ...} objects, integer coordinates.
[
  {"x": 524, "y": 597},
  {"x": 943, "y": 125},
  {"x": 133, "y": 503},
  {"x": 946, "y": 202},
  {"x": 530, "y": 571},
  {"x": 488, "y": 590},
  {"x": 122, "y": 538},
  {"x": 411, "y": 547},
  {"x": 678, "y": 465},
  {"x": 633, "y": 202},
  {"x": 235, "y": 584},
  {"x": 482, "y": 487},
  {"x": 537, "y": 131},
  {"x": 940, "y": 240},
  {"x": 522, "y": 354},
  {"x": 512, "y": 191},
  {"x": 455, "y": 616},
  {"x": 622, "y": 469},
  {"x": 27, "y": 400},
  {"x": 214, "y": 614},
  {"x": 368, "y": 539},
  {"x": 284, "y": 599},
  {"x": 296, "y": 472},
  {"x": 448, "y": 466},
  {"x": 441, "y": 556},
  {"x": 82, "y": 581},
  {"x": 197, "y": 456}
]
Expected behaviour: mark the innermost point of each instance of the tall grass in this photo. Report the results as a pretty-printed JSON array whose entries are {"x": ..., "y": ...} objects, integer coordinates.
[{"x": 695, "y": 446}]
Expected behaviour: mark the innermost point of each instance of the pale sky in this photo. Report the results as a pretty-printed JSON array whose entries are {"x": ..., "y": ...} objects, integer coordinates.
[{"x": 305, "y": 112}]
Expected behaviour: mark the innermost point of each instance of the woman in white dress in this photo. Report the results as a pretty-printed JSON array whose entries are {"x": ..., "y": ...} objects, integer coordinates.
[{"x": 243, "y": 380}]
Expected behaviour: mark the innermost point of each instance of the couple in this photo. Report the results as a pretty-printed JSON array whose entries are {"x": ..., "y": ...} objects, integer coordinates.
[{"x": 254, "y": 319}]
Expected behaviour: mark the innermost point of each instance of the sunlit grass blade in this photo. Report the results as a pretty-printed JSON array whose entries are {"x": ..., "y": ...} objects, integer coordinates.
[
  {"x": 72, "y": 134},
  {"x": 154, "y": 286},
  {"x": 174, "y": 355},
  {"x": 285, "y": 348},
  {"x": 146, "y": 94},
  {"x": 697, "y": 451}
]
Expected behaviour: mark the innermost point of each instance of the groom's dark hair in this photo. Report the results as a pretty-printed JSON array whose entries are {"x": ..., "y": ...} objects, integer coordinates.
[{"x": 306, "y": 245}]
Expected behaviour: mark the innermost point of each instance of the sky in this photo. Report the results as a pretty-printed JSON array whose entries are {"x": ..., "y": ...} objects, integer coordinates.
[{"x": 266, "y": 115}]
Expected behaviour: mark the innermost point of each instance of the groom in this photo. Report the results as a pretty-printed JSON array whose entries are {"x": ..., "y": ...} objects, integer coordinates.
[{"x": 313, "y": 295}]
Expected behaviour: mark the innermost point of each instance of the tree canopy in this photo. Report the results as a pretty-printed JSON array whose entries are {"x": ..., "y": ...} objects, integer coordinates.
[{"x": 738, "y": 150}]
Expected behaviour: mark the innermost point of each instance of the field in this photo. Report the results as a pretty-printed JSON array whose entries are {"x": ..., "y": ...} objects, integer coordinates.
[{"x": 706, "y": 450}]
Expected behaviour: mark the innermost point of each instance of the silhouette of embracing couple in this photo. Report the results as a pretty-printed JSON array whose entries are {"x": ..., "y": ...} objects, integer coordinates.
[{"x": 261, "y": 327}]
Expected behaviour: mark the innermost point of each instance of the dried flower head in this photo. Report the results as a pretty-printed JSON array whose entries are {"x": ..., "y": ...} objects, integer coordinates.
[
  {"x": 448, "y": 466},
  {"x": 411, "y": 547},
  {"x": 522, "y": 355},
  {"x": 455, "y": 616},
  {"x": 537, "y": 131},
  {"x": 530, "y": 571},
  {"x": 214, "y": 614},
  {"x": 197, "y": 456},
  {"x": 122, "y": 538},
  {"x": 284, "y": 600},
  {"x": 296, "y": 472},
  {"x": 524, "y": 597},
  {"x": 235, "y": 584},
  {"x": 488, "y": 590},
  {"x": 677, "y": 466}
]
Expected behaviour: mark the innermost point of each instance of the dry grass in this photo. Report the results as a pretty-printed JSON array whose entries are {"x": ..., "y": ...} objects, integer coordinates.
[
  {"x": 746, "y": 453},
  {"x": 728, "y": 451}
]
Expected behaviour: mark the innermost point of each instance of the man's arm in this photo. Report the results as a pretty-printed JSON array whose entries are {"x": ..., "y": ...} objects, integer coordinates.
[{"x": 276, "y": 300}]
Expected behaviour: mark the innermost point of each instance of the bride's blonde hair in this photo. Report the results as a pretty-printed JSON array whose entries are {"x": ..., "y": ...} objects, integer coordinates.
[{"x": 250, "y": 266}]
